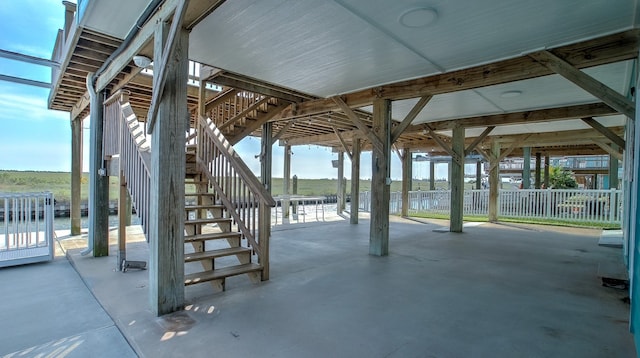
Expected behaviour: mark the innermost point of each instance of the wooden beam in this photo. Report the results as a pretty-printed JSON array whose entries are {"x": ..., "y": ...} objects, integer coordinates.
[
  {"x": 494, "y": 181},
  {"x": 605, "y": 131},
  {"x": 586, "y": 82},
  {"x": 166, "y": 200},
  {"x": 380, "y": 181},
  {"x": 375, "y": 141},
  {"x": 477, "y": 141},
  {"x": 607, "y": 49},
  {"x": 417, "y": 108},
  {"x": 609, "y": 149},
  {"x": 243, "y": 114},
  {"x": 254, "y": 125},
  {"x": 513, "y": 146},
  {"x": 355, "y": 182},
  {"x": 343, "y": 143},
  {"x": 407, "y": 175},
  {"x": 443, "y": 145},
  {"x": 167, "y": 54},
  {"x": 457, "y": 182},
  {"x": 256, "y": 88},
  {"x": 283, "y": 130}
]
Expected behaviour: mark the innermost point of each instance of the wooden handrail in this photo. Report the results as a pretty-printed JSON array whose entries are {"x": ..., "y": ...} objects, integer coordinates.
[{"x": 243, "y": 170}]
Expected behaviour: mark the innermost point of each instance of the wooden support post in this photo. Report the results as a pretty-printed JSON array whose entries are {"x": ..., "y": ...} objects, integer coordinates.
[
  {"x": 526, "y": 168},
  {"x": 166, "y": 224},
  {"x": 613, "y": 171},
  {"x": 98, "y": 180},
  {"x": 76, "y": 174},
  {"x": 432, "y": 175},
  {"x": 264, "y": 235},
  {"x": 355, "y": 182},
  {"x": 266, "y": 155},
  {"x": 449, "y": 168},
  {"x": 457, "y": 181},
  {"x": 546, "y": 171},
  {"x": 494, "y": 182},
  {"x": 538, "y": 170},
  {"x": 407, "y": 176},
  {"x": 294, "y": 191},
  {"x": 122, "y": 224},
  {"x": 380, "y": 180},
  {"x": 340, "y": 198},
  {"x": 286, "y": 185},
  {"x": 478, "y": 175}
]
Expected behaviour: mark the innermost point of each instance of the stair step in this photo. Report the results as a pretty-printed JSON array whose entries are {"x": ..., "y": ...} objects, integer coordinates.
[
  {"x": 220, "y": 273},
  {"x": 199, "y": 194},
  {"x": 198, "y": 207},
  {"x": 207, "y": 221},
  {"x": 211, "y": 236},
  {"x": 212, "y": 254}
]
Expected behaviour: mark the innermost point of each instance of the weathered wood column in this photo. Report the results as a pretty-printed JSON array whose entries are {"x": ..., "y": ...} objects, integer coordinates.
[
  {"x": 526, "y": 168},
  {"x": 546, "y": 171},
  {"x": 355, "y": 182},
  {"x": 613, "y": 170},
  {"x": 538, "y": 170},
  {"x": 432, "y": 175},
  {"x": 286, "y": 182},
  {"x": 98, "y": 181},
  {"x": 166, "y": 224},
  {"x": 494, "y": 182},
  {"x": 407, "y": 175},
  {"x": 266, "y": 155},
  {"x": 340, "y": 199},
  {"x": 76, "y": 174},
  {"x": 478, "y": 175},
  {"x": 457, "y": 180},
  {"x": 380, "y": 180}
]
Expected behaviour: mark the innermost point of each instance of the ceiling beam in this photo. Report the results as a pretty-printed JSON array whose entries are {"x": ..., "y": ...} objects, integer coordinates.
[
  {"x": 343, "y": 143},
  {"x": 444, "y": 145},
  {"x": 609, "y": 149},
  {"x": 512, "y": 147},
  {"x": 586, "y": 82},
  {"x": 533, "y": 116},
  {"x": 225, "y": 79},
  {"x": 607, "y": 49},
  {"x": 605, "y": 131},
  {"x": 358, "y": 123},
  {"x": 417, "y": 108},
  {"x": 478, "y": 139},
  {"x": 253, "y": 125}
]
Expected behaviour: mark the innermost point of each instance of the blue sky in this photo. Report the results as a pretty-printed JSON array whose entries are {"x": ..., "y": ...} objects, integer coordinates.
[{"x": 35, "y": 138}]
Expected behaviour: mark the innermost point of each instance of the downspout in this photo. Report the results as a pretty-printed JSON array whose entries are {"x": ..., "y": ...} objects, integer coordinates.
[{"x": 92, "y": 100}]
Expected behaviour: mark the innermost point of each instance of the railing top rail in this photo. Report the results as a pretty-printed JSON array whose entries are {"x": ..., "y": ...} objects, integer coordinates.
[
  {"x": 6, "y": 195},
  {"x": 245, "y": 173}
]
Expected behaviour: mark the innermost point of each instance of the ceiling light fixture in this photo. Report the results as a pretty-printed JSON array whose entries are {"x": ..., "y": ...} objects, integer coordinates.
[
  {"x": 510, "y": 94},
  {"x": 142, "y": 61},
  {"x": 418, "y": 17}
]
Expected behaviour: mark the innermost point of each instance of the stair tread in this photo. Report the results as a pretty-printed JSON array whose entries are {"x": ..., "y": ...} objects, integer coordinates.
[
  {"x": 205, "y": 206},
  {"x": 211, "y": 236},
  {"x": 206, "y": 221},
  {"x": 203, "y": 276},
  {"x": 199, "y": 194},
  {"x": 211, "y": 254}
]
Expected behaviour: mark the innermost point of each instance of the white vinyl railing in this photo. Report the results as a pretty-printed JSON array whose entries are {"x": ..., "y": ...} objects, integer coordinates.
[
  {"x": 575, "y": 205},
  {"x": 26, "y": 228}
]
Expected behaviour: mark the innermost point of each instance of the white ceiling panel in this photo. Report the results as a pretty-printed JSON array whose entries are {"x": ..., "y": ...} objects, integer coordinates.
[
  {"x": 467, "y": 33},
  {"x": 112, "y": 17},
  {"x": 311, "y": 46}
]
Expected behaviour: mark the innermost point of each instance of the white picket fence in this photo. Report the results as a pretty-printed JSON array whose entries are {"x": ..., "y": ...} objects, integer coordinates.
[
  {"x": 26, "y": 228},
  {"x": 575, "y": 205}
]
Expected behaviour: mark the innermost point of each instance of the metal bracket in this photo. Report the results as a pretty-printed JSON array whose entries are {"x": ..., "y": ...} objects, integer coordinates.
[{"x": 141, "y": 265}]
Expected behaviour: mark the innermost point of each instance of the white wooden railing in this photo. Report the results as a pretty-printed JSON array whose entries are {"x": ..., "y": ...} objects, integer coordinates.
[
  {"x": 574, "y": 205},
  {"x": 124, "y": 136},
  {"x": 26, "y": 228}
]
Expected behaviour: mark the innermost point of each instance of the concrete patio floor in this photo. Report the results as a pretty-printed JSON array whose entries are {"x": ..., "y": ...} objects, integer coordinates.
[{"x": 496, "y": 290}]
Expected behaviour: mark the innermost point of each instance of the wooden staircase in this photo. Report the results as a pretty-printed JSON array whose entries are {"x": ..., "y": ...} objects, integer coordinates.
[
  {"x": 211, "y": 238},
  {"x": 226, "y": 208}
]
